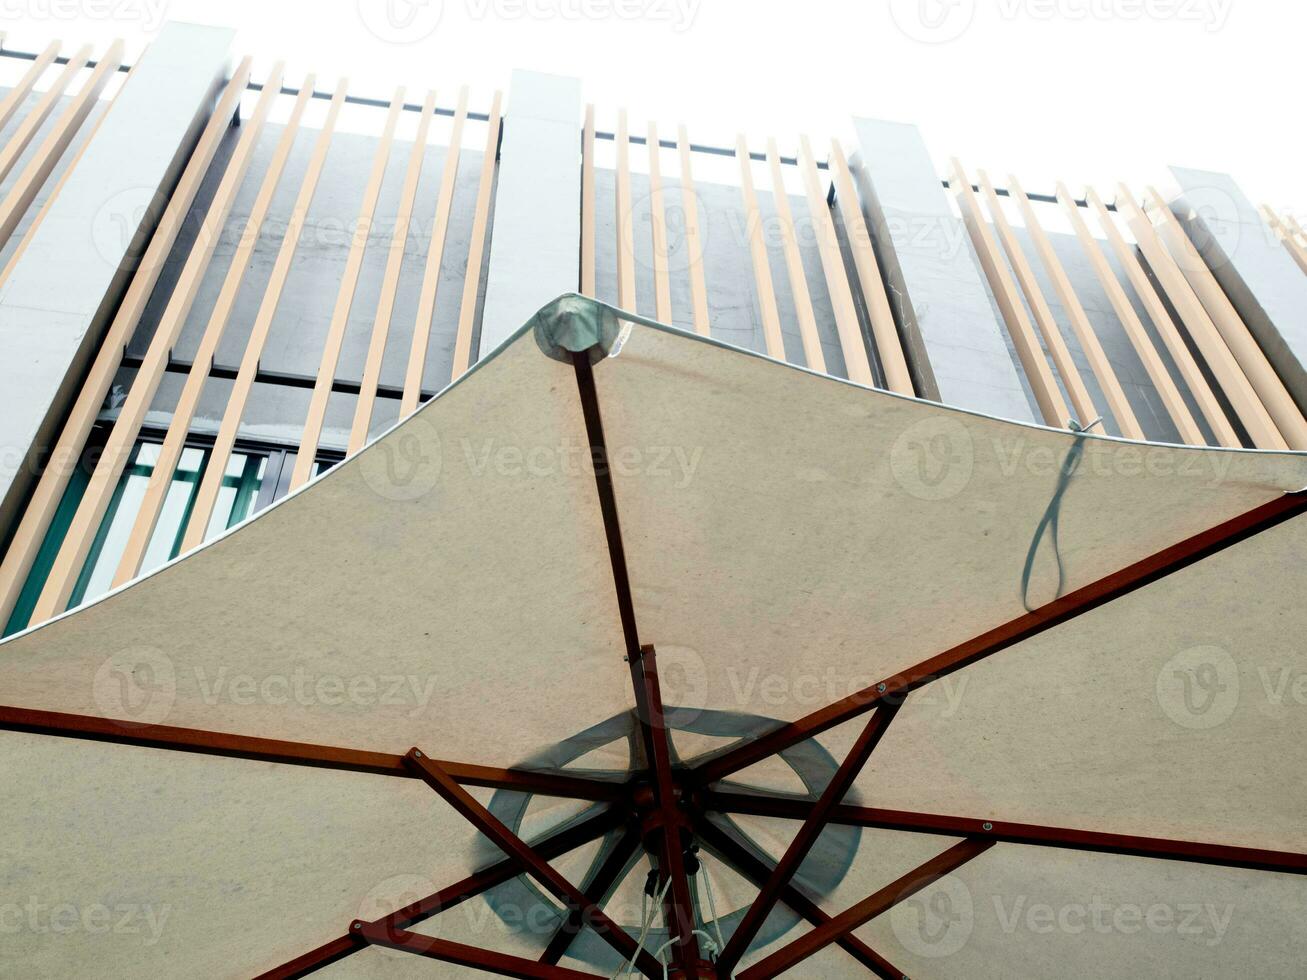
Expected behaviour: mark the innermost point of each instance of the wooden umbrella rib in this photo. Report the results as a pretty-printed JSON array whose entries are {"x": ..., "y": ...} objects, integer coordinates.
[
  {"x": 802, "y": 842},
  {"x": 560, "y": 842},
  {"x": 441, "y": 781},
  {"x": 1011, "y": 832},
  {"x": 873, "y": 905},
  {"x": 225, "y": 744},
  {"x": 1061, "y": 610},
  {"x": 758, "y": 872}
]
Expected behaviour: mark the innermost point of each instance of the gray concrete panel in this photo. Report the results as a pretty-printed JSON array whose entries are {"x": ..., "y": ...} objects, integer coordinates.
[
  {"x": 956, "y": 344},
  {"x": 1261, "y": 279},
  {"x": 62, "y": 293},
  {"x": 535, "y": 239}
]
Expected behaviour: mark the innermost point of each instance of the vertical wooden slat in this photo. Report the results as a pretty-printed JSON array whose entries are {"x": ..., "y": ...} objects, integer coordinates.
[
  {"x": 762, "y": 281},
  {"x": 417, "y": 355},
  {"x": 1130, "y": 322},
  {"x": 1286, "y": 236},
  {"x": 1193, "y": 376},
  {"x": 476, "y": 252},
  {"x": 1249, "y": 355},
  {"x": 658, "y": 231},
  {"x": 856, "y": 363},
  {"x": 693, "y": 236},
  {"x": 17, "y": 95},
  {"x": 1252, "y": 413},
  {"x": 1081, "y": 402},
  {"x": 50, "y": 487},
  {"x": 1052, "y": 407},
  {"x": 367, "y": 399},
  {"x": 1108, "y": 382},
  {"x": 53, "y": 196},
  {"x": 588, "y": 216},
  {"x": 345, "y": 300},
  {"x": 623, "y": 219},
  {"x": 883, "y": 330},
  {"x": 46, "y": 156},
  {"x": 1296, "y": 228},
  {"x": 37, "y": 115},
  {"x": 812, "y": 353},
  {"x": 206, "y": 497},
  {"x": 122, "y": 437},
  {"x": 174, "y": 442}
]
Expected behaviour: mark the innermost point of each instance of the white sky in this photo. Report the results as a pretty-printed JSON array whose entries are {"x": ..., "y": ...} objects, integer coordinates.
[{"x": 1082, "y": 90}]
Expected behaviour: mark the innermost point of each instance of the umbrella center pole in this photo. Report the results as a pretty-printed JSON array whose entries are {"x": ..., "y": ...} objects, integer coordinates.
[{"x": 650, "y": 818}]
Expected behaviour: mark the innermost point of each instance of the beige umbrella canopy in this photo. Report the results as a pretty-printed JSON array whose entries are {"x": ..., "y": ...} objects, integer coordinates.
[{"x": 633, "y": 652}]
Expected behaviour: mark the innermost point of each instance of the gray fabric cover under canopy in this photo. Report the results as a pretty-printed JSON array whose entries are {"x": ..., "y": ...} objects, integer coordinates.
[{"x": 790, "y": 538}]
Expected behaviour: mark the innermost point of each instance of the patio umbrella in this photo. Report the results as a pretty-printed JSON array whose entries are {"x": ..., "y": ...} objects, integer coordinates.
[{"x": 635, "y": 652}]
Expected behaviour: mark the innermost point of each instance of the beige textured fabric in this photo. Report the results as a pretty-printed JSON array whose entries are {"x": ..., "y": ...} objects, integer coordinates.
[
  {"x": 444, "y": 588},
  {"x": 790, "y": 538}
]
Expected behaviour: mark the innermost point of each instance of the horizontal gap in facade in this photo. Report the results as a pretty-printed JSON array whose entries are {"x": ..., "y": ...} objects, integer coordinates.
[
  {"x": 285, "y": 89},
  {"x": 1080, "y": 202},
  {"x": 285, "y": 379},
  {"x": 719, "y": 151},
  {"x": 723, "y": 151}
]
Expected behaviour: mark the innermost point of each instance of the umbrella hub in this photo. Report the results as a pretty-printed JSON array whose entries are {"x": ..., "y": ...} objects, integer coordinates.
[{"x": 650, "y": 818}]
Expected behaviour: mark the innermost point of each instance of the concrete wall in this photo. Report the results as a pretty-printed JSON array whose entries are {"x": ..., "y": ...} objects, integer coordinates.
[
  {"x": 62, "y": 293},
  {"x": 955, "y": 341},
  {"x": 1262, "y": 280}
]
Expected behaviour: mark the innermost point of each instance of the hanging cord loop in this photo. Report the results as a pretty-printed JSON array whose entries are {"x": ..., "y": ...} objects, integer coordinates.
[
  {"x": 647, "y": 914},
  {"x": 1049, "y": 522}
]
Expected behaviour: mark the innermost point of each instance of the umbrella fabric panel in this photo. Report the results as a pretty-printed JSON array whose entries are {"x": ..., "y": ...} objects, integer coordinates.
[
  {"x": 793, "y": 538},
  {"x": 126, "y": 862},
  {"x": 445, "y": 588},
  {"x": 1177, "y": 711},
  {"x": 1035, "y": 912}
]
